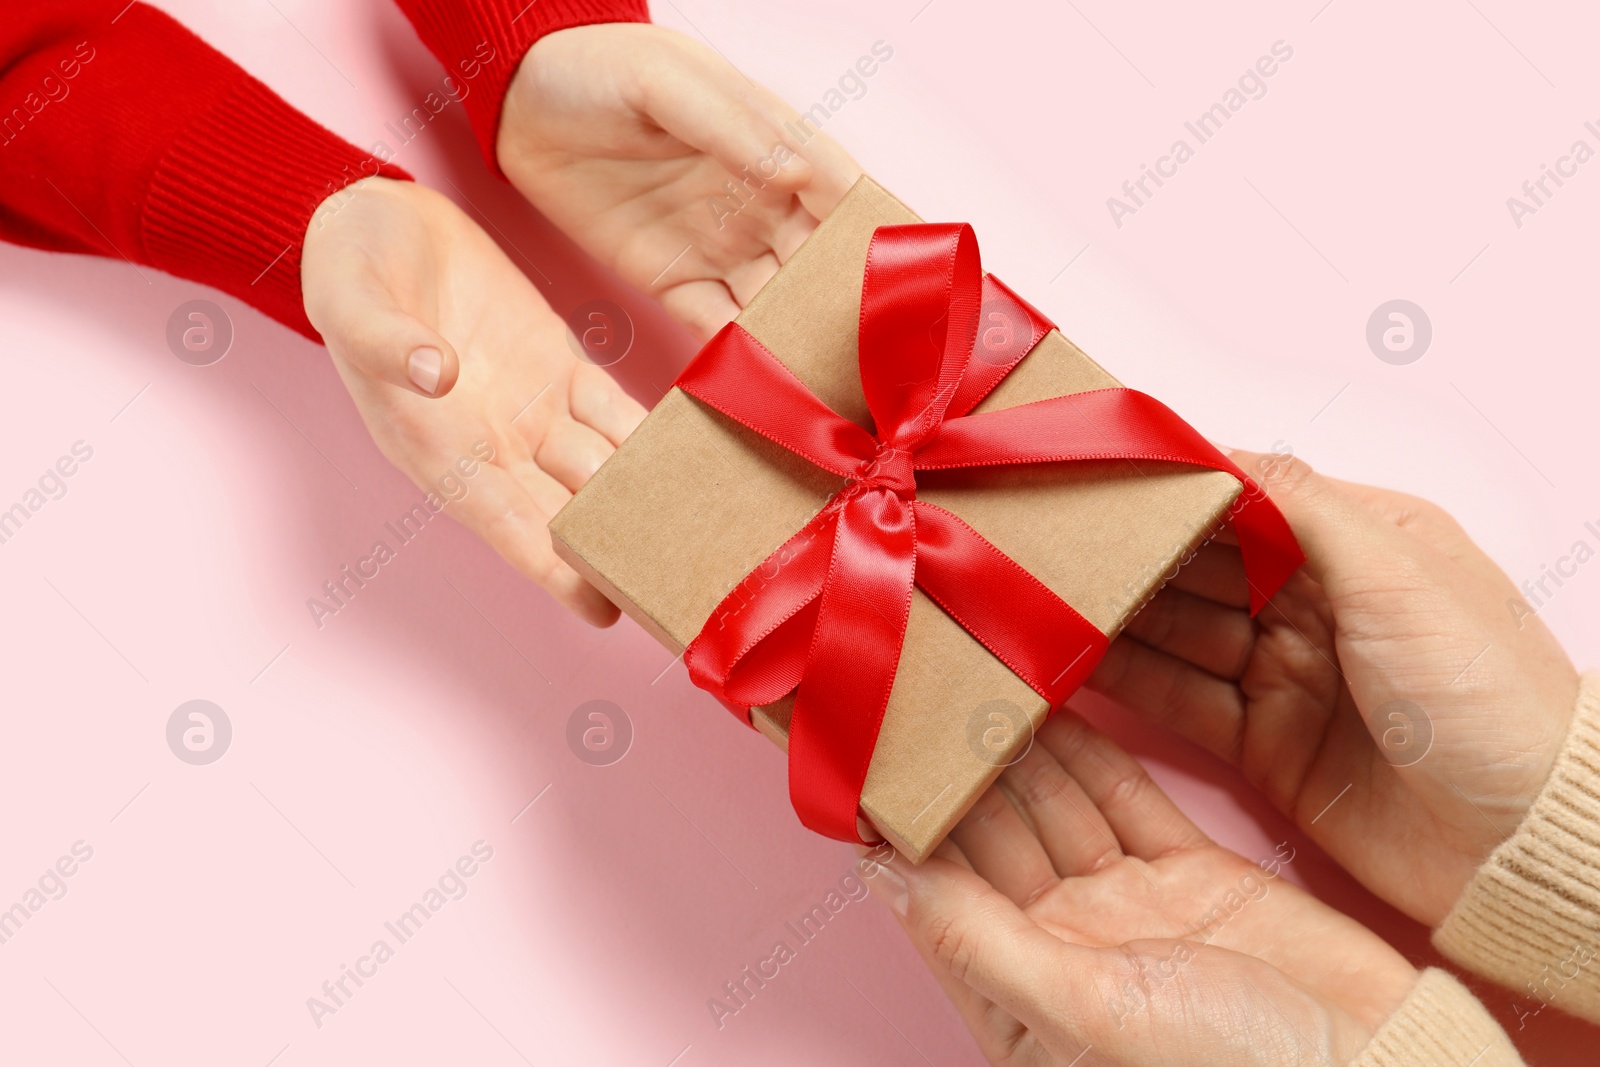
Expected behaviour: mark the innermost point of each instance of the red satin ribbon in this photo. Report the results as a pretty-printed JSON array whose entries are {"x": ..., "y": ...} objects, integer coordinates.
[{"x": 824, "y": 616}]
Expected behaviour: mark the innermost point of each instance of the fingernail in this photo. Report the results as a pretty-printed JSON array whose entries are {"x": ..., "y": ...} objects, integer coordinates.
[
  {"x": 424, "y": 367},
  {"x": 889, "y": 886}
]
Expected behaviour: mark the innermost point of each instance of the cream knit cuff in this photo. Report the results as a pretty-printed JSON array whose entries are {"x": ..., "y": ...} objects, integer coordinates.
[
  {"x": 1530, "y": 918},
  {"x": 1441, "y": 1024}
]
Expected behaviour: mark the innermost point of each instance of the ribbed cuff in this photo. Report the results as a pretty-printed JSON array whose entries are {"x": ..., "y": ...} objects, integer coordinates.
[
  {"x": 462, "y": 32},
  {"x": 231, "y": 198},
  {"x": 1441, "y": 1024},
  {"x": 1530, "y": 918}
]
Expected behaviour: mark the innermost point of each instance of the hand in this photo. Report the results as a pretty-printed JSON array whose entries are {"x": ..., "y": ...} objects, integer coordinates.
[
  {"x": 443, "y": 343},
  {"x": 625, "y": 136},
  {"x": 1076, "y": 917},
  {"x": 1396, "y": 698}
]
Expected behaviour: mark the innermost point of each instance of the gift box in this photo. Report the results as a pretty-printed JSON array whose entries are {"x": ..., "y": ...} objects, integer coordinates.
[{"x": 719, "y": 528}]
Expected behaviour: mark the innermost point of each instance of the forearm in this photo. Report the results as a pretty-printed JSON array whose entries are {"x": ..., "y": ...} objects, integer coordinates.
[
  {"x": 124, "y": 135},
  {"x": 484, "y": 41}
]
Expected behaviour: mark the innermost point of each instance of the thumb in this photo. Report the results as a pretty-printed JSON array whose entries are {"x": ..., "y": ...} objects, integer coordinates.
[
  {"x": 368, "y": 328},
  {"x": 971, "y": 934},
  {"x": 1345, "y": 541}
]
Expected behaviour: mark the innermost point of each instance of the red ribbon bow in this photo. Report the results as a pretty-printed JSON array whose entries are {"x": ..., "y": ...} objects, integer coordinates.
[{"x": 824, "y": 616}]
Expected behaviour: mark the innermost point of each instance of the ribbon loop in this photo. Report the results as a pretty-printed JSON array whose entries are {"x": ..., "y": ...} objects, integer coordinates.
[{"x": 919, "y": 313}]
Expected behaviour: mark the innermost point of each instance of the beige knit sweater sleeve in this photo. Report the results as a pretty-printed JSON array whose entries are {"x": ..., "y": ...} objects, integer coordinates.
[
  {"x": 1529, "y": 920},
  {"x": 1441, "y": 1024}
]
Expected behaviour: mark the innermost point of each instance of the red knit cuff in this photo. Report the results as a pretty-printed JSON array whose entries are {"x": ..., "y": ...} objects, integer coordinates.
[
  {"x": 491, "y": 37},
  {"x": 230, "y": 200}
]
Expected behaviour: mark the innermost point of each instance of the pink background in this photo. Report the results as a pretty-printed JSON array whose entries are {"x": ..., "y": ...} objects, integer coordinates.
[{"x": 369, "y": 755}]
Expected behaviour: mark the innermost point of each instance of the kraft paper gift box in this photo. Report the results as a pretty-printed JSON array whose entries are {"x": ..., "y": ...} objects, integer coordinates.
[{"x": 693, "y": 502}]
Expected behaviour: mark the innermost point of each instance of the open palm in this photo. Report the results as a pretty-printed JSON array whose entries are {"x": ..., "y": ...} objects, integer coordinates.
[
  {"x": 392, "y": 268},
  {"x": 1075, "y": 916},
  {"x": 627, "y": 137}
]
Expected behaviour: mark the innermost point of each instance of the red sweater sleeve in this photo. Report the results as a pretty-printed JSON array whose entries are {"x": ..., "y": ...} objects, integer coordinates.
[
  {"x": 122, "y": 134},
  {"x": 492, "y": 36}
]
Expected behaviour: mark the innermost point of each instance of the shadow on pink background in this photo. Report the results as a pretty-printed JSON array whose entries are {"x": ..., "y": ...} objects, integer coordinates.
[{"x": 431, "y": 714}]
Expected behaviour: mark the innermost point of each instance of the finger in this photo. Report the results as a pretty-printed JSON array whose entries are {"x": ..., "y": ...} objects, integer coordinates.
[
  {"x": 571, "y": 452},
  {"x": 996, "y": 1030},
  {"x": 1074, "y": 835},
  {"x": 746, "y": 279},
  {"x": 1216, "y": 572},
  {"x": 1209, "y": 635},
  {"x": 951, "y": 851},
  {"x": 1170, "y": 693},
  {"x": 991, "y": 1027},
  {"x": 704, "y": 306},
  {"x": 701, "y": 99},
  {"x": 502, "y": 511},
  {"x": 1003, "y": 850},
  {"x": 976, "y": 937},
  {"x": 833, "y": 173},
  {"x": 598, "y": 401},
  {"x": 1146, "y": 822},
  {"x": 705, "y": 102},
  {"x": 792, "y": 231},
  {"x": 370, "y": 330}
]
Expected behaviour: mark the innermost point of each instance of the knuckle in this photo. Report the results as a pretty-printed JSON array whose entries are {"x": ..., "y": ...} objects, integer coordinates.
[
  {"x": 1289, "y": 474},
  {"x": 1127, "y": 789},
  {"x": 953, "y": 943}
]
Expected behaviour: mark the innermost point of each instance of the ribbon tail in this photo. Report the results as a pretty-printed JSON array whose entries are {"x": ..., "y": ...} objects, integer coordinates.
[
  {"x": 1269, "y": 548},
  {"x": 1120, "y": 424},
  {"x": 855, "y": 653},
  {"x": 1030, "y": 629}
]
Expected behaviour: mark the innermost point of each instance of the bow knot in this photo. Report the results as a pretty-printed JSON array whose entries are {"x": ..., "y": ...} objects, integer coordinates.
[{"x": 889, "y": 468}]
